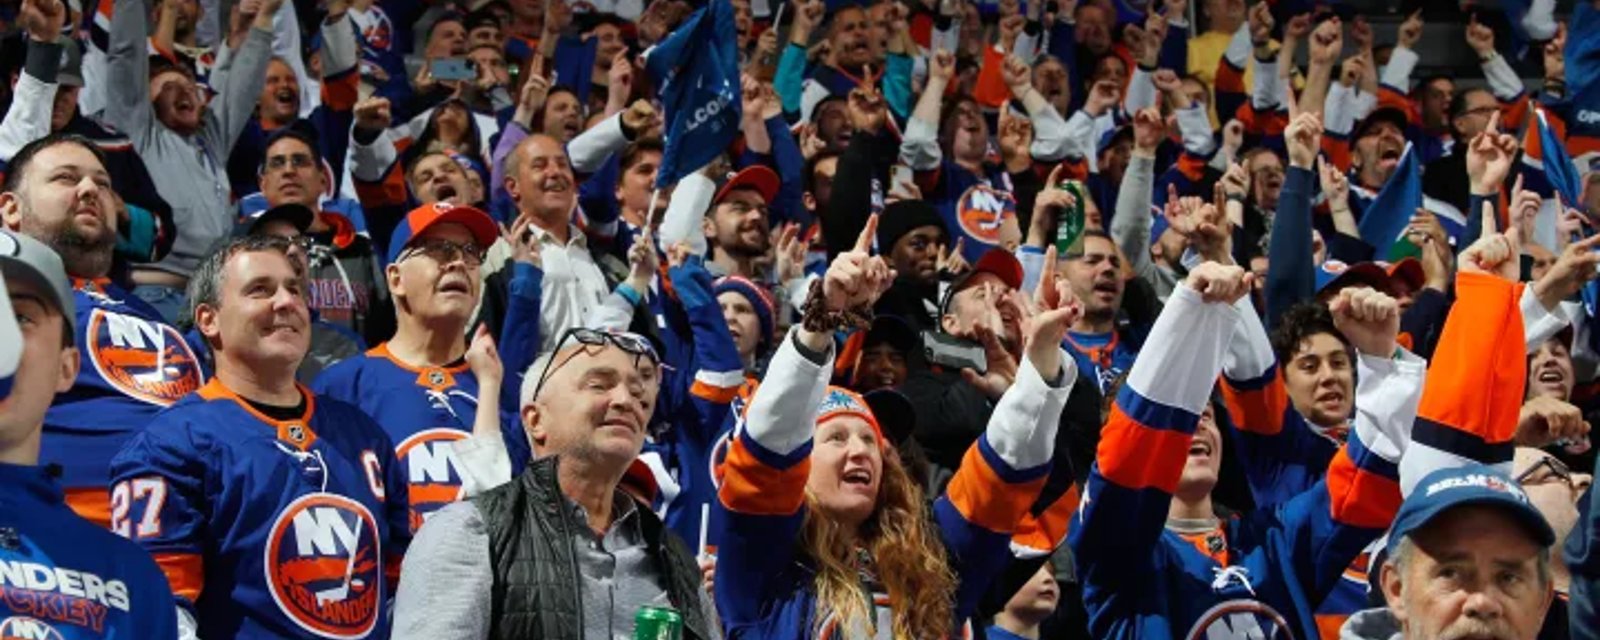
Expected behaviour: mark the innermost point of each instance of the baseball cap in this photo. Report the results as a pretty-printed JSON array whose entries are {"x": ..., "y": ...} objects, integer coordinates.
[
  {"x": 765, "y": 181},
  {"x": 1392, "y": 115},
  {"x": 419, "y": 220},
  {"x": 1334, "y": 275},
  {"x": 1408, "y": 270},
  {"x": 24, "y": 259},
  {"x": 896, "y": 416},
  {"x": 70, "y": 73},
  {"x": 1473, "y": 484},
  {"x": 996, "y": 261},
  {"x": 298, "y": 215},
  {"x": 1111, "y": 136}
]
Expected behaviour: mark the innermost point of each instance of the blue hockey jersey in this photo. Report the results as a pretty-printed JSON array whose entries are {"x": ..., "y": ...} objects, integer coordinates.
[
  {"x": 765, "y": 589},
  {"x": 423, "y": 410},
  {"x": 62, "y": 578},
  {"x": 132, "y": 364},
  {"x": 1142, "y": 580},
  {"x": 267, "y": 528}
]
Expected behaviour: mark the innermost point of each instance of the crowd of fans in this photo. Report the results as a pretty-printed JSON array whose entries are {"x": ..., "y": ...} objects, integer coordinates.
[{"x": 986, "y": 318}]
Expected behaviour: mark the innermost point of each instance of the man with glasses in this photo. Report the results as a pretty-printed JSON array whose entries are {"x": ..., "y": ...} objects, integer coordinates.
[
  {"x": 1446, "y": 178},
  {"x": 504, "y": 564},
  {"x": 344, "y": 279},
  {"x": 1555, "y": 491},
  {"x": 330, "y": 343},
  {"x": 419, "y": 384}
]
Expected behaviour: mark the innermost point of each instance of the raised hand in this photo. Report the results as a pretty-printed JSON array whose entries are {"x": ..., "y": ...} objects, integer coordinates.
[
  {"x": 1574, "y": 268},
  {"x": 1545, "y": 420},
  {"x": 1411, "y": 30},
  {"x": 557, "y": 17},
  {"x": 1327, "y": 41},
  {"x": 373, "y": 114},
  {"x": 1334, "y": 184},
  {"x": 811, "y": 144},
  {"x": 1017, "y": 76},
  {"x": 1057, "y": 309},
  {"x": 1261, "y": 23},
  {"x": 1010, "y": 28},
  {"x": 1480, "y": 37},
  {"x": 1218, "y": 283},
  {"x": 620, "y": 77},
  {"x": 1104, "y": 95},
  {"x": 1016, "y": 135},
  {"x": 1494, "y": 254},
  {"x": 640, "y": 117},
  {"x": 1155, "y": 33},
  {"x": 954, "y": 261},
  {"x": 643, "y": 261},
  {"x": 524, "y": 246},
  {"x": 483, "y": 359},
  {"x": 1148, "y": 130},
  {"x": 1303, "y": 138},
  {"x": 857, "y": 278},
  {"x": 1233, "y": 135},
  {"x": 790, "y": 253},
  {"x": 867, "y": 109},
  {"x": 1361, "y": 33},
  {"x": 807, "y": 15},
  {"x": 1369, "y": 319},
  {"x": 941, "y": 67},
  {"x": 1489, "y": 157},
  {"x": 42, "y": 19}
]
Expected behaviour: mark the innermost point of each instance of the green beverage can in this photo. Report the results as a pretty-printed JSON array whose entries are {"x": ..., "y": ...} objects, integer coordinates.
[{"x": 657, "y": 623}]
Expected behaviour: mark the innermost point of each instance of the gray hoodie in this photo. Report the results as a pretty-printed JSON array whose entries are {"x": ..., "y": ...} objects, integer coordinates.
[{"x": 1371, "y": 624}]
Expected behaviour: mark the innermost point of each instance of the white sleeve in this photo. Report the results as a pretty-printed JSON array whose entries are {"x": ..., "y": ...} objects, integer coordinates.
[
  {"x": 690, "y": 201},
  {"x": 1504, "y": 82},
  {"x": 1540, "y": 20},
  {"x": 1266, "y": 88},
  {"x": 919, "y": 145},
  {"x": 369, "y": 162},
  {"x": 1027, "y": 46},
  {"x": 783, "y": 413},
  {"x": 1051, "y": 142},
  {"x": 1397, "y": 74},
  {"x": 1195, "y": 125},
  {"x": 1250, "y": 353},
  {"x": 1022, "y": 429},
  {"x": 29, "y": 116},
  {"x": 482, "y": 462},
  {"x": 1539, "y": 324},
  {"x": 591, "y": 148},
  {"x": 1388, "y": 391},
  {"x": 1141, "y": 91}
]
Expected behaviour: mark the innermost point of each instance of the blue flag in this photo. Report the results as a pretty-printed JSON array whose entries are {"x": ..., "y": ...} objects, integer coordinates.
[
  {"x": 697, "y": 70},
  {"x": 1386, "y": 218},
  {"x": 1558, "y": 169}
]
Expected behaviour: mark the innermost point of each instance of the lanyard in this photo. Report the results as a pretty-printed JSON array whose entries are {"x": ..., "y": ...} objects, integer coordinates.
[{"x": 1101, "y": 355}]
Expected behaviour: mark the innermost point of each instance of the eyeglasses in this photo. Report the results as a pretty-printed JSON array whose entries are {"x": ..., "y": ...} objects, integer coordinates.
[
  {"x": 1558, "y": 469},
  {"x": 446, "y": 252},
  {"x": 304, "y": 242},
  {"x": 1485, "y": 111},
  {"x": 630, "y": 343},
  {"x": 296, "y": 160}
]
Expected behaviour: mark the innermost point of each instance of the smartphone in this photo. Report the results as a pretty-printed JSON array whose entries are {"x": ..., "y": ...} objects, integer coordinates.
[
  {"x": 954, "y": 353},
  {"x": 449, "y": 69}
]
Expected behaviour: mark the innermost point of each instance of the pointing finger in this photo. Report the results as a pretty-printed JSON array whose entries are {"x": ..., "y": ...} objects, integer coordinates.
[{"x": 868, "y": 232}]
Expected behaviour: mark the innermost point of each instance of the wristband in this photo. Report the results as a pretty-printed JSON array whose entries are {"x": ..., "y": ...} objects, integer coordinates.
[{"x": 629, "y": 293}]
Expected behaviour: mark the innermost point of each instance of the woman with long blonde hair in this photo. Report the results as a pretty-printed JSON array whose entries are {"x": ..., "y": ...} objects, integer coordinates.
[{"x": 826, "y": 535}]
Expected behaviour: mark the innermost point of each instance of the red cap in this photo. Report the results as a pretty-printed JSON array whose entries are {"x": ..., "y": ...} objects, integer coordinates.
[
  {"x": 757, "y": 177},
  {"x": 1408, "y": 271},
  {"x": 419, "y": 220}
]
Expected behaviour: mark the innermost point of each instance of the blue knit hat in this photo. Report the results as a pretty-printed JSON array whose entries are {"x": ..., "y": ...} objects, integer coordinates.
[{"x": 759, "y": 299}]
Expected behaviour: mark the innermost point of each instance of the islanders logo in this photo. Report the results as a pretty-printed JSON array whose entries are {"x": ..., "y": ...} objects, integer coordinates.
[
  {"x": 1240, "y": 620},
  {"x": 431, "y": 471},
  {"x": 324, "y": 566},
  {"x": 982, "y": 211},
  {"x": 25, "y": 628},
  {"x": 145, "y": 360}
]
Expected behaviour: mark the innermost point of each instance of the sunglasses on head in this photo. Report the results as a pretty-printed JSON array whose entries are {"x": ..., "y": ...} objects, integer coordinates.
[{"x": 630, "y": 343}]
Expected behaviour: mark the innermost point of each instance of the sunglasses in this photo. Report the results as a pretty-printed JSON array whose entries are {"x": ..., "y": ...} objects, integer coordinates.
[
  {"x": 1558, "y": 470},
  {"x": 630, "y": 343},
  {"x": 445, "y": 251}
]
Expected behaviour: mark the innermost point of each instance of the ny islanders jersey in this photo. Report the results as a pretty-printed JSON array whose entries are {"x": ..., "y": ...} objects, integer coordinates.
[
  {"x": 62, "y": 578},
  {"x": 267, "y": 528},
  {"x": 132, "y": 364},
  {"x": 423, "y": 410}
]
